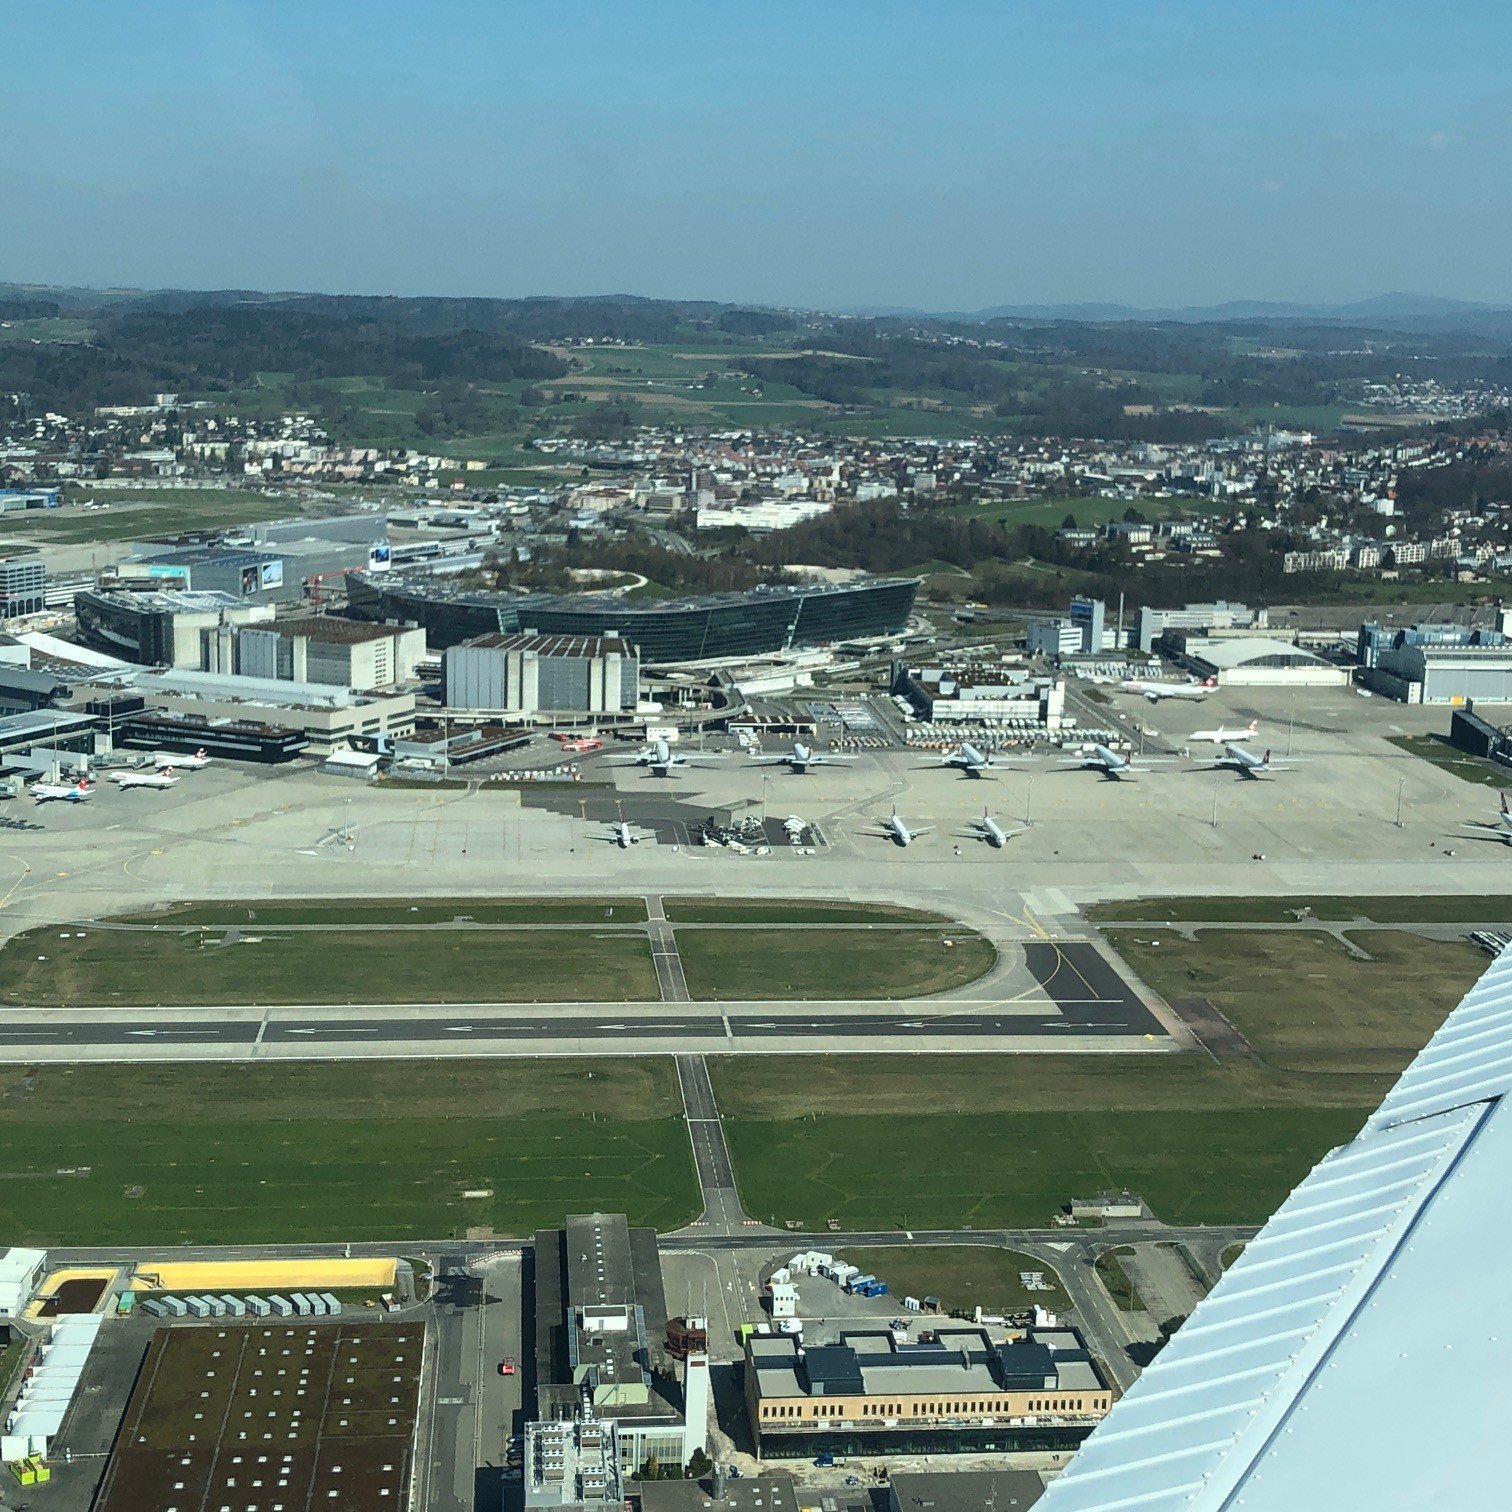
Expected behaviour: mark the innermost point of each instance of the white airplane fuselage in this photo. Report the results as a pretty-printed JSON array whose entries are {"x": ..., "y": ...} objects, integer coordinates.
[
  {"x": 1155, "y": 691},
  {"x": 1222, "y": 736},
  {"x": 1245, "y": 761},
  {"x": 172, "y": 759},
  {"x": 970, "y": 760},
  {"x": 57, "y": 792}
]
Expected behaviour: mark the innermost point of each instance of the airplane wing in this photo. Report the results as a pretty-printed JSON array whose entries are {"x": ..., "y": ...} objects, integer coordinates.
[
  {"x": 775, "y": 760},
  {"x": 922, "y": 829}
]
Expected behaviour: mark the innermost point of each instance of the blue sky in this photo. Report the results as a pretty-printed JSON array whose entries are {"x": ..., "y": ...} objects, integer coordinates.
[{"x": 830, "y": 153}]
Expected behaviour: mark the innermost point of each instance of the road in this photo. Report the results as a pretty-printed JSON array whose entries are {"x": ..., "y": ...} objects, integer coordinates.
[{"x": 472, "y": 1408}]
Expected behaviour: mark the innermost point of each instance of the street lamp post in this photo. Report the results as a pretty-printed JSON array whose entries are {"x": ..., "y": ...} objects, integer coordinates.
[
  {"x": 1216, "y": 780},
  {"x": 1401, "y": 783},
  {"x": 1029, "y": 804}
]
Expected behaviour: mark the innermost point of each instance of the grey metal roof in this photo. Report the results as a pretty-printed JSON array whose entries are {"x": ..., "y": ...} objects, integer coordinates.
[{"x": 1349, "y": 1359}]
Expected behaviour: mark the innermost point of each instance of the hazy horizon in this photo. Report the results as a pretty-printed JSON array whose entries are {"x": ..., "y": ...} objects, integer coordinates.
[{"x": 953, "y": 157}]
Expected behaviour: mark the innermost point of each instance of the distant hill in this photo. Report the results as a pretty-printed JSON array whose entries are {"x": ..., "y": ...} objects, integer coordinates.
[{"x": 1407, "y": 312}]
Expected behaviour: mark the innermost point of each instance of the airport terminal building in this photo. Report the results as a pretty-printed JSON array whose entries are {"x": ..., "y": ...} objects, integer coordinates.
[{"x": 714, "y": 627}]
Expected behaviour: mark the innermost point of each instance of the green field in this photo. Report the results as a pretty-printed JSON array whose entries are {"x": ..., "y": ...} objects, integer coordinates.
[
  {"x": 1447, "y": 758},
  {"x": 1439, "y": 908},
  {"x": 731, "y": 965},
  {"x": 387, "y": 911},
  {"x": 1115, "y": 1279},
  {"x": 249, "y": 1154},
  {"x": 1018, "y": 1170},
  {"x": 1091, "y": 510},
  {"x": 962, "y": 1276},
  {"x": 790, "y": 911},
  {"x": 140, "y": 514},
  {"x": 102, "y": 966},
  {"x": 1300, "y": 996},
  {"x": 346, "y": 950}
]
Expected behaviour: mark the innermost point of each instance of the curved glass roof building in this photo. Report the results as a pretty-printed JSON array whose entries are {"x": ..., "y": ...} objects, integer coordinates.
[{"x": 710, "y": 628}]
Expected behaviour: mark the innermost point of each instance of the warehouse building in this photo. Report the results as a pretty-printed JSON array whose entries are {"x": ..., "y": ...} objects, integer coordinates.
[
  {"x": 542, "y": 677},
  {"x": 715, "y": 627},
  {"x": 600, "y": 1323},
  {"x": 1151, "y": 624},
  {"x": 159, "y": 627},
  {"x": 957, "y": 1392},
  {"x": 1444, "y": 674},
  {"x": 1256, "y": 662},
  {"x": 1471, "y": 732},
  {"x": 1437, "y": 664},
  {"x": 20, "y": 1275},
  {"x": 316, "y": 649}
]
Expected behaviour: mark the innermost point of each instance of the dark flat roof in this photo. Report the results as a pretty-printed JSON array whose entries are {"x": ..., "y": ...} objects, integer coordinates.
[
  {"x": 332, "y": 630},
  {"x": 965, "y": 1490}
]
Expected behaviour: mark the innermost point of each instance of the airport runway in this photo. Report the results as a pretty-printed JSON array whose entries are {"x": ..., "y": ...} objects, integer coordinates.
[{"x": 61, "y": 1035}]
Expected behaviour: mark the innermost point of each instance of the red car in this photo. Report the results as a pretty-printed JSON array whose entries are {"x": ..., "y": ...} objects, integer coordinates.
[{"x": 507, "y": 1365}]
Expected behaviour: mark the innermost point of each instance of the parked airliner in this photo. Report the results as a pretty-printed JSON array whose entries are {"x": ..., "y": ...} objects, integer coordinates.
[
  {"x": 801, "y": 758},
  {"x": 62, "y": 792},
  {"x": 1155, "y": 691},
  {"x": 987, "y": 828},
  {"x": 162, "y": 779},
  {"x": 1222, "y": 735},
  {"x": 1236, "y": 758},
  {"x": 971, "y": 761},
  {"x": 176, "y": 759},
  {"x": 662, "y": 759},
  {"x": 1101, "y": 759},
  {"x": 893, "y": 828}
]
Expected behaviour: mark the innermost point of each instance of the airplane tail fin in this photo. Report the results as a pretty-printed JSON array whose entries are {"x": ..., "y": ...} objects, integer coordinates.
[{"x": 1252, "y": 726}]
